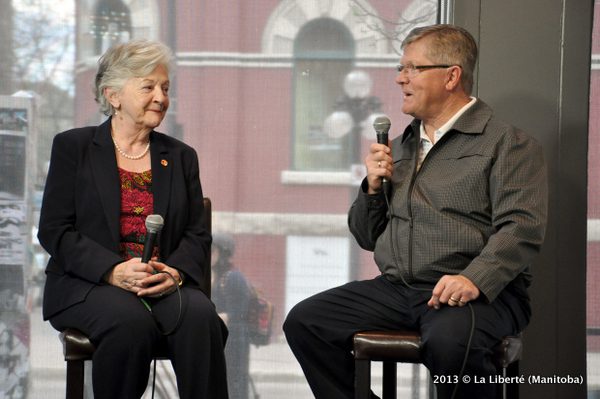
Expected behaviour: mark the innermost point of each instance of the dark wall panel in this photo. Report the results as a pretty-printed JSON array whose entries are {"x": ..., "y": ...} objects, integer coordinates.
[{"x": 534, "y": 70}]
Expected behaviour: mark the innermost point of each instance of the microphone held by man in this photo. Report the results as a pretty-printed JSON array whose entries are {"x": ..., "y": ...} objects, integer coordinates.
[{"x": 382, "y": 126}]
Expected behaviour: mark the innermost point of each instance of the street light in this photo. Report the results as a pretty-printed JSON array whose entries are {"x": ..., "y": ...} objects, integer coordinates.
[
  {"x": 353, "y": 113},
  {"x": 110, "y": 23}
]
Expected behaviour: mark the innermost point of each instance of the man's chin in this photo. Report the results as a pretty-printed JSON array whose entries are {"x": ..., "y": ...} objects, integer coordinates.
[{"x": 408, "y": 110}]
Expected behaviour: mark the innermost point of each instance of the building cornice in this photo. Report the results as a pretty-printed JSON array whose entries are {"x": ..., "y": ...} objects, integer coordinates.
[
  {"x": 205, "y": 59},
  {"x": 261, "y": 60},
  {"x": 284, "y": 224}
]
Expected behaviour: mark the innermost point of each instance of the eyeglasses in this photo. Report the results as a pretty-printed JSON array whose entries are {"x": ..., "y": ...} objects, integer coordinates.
[{"x": 412, "y": 70}]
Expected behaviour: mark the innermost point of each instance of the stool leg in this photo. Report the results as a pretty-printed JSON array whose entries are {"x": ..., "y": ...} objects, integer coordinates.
[
  {"x": 501, "y": 388},
  {"x": 389, "y": 380},
  {"x": 74, "y": 379},
  {"x": 362, "y": 379},
  {"x": 511, "y": 391}
]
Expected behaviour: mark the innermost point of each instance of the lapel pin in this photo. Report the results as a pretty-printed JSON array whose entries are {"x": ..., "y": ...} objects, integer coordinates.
[{"x": 164, "y": 162}]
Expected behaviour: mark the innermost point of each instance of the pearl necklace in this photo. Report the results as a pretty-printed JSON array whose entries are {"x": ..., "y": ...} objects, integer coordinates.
[{"x": 126, "y": 155}]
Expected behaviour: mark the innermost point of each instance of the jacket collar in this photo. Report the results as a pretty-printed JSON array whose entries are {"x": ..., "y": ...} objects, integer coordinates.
[
  {"x": 473, "y": 121},
  {"x": 106, "y": 175}
]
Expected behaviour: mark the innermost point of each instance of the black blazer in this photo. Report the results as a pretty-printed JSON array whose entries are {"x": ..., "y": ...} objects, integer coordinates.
[{"x": 79, "y": 220}]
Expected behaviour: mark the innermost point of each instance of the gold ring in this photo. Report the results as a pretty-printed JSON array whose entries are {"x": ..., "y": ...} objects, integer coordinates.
[{"x": 453, "y": 300}]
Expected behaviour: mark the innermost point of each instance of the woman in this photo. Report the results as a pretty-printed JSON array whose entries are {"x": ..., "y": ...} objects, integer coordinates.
[
  {"x": 102, "y": 183},
  {"x": 231, "y": 295}
]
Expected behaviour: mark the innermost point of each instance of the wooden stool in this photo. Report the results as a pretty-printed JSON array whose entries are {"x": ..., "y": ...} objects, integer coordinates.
[
  {"x": 391, "y": 347},
  {"x": 77, "y": 348}
]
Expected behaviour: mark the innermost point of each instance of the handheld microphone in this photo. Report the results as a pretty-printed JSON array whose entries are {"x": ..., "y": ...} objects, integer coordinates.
[
  {"x": 154, "y": 224},
  {"x": 382, "y": 127}
]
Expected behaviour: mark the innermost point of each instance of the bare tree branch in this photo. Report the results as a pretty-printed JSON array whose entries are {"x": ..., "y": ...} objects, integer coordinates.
[
  {"x": 394, "y": 30},
  {"x": 41, "y": 44}
]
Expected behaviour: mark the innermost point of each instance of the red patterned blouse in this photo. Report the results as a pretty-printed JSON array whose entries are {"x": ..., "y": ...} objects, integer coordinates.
[{"x": 136, "y": 203}]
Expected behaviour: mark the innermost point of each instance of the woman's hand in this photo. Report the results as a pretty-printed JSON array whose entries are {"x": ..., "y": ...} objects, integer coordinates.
[
  {"x": 159, "y": 284},
  {"x": 129, "y": 275}
]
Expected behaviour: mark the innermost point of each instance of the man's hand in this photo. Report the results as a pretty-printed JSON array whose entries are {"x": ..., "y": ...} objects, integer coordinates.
[
  {"x": 379, "y": 164},
  {"x": 454, "y": 290}
]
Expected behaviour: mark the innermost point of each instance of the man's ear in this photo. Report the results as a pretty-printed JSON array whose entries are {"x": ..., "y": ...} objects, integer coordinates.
[{"x": 453, "y": 77}]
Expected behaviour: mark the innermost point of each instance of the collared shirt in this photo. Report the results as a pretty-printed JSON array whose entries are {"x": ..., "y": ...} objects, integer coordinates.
[{"x": 426, "y": 143}]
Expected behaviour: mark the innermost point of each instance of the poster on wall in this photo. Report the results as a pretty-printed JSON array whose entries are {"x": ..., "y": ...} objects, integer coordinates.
[
  {"x": 13, "y": 233},
  {"x": 13, "y": 143},
  {"x": 314, "y": 264},
  {"x": 14, "y": 334},
  {"x": 15, "y": 226}
]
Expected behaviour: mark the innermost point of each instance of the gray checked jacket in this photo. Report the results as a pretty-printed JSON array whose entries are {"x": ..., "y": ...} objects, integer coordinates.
[{"x": 477, "y": 207}]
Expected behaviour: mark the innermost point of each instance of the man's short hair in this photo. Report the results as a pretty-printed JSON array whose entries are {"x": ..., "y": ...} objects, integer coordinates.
[{"x": 449, "y": 45}]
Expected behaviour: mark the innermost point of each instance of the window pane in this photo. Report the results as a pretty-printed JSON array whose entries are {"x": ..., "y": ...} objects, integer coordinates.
[{"x": 317, "y": 86}]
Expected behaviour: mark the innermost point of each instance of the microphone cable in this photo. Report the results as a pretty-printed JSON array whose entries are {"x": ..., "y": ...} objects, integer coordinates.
[
  {"x": 409, "y": 286},
  {"x": 180, "y": 307},
  {"x": 168, "y": 332}
]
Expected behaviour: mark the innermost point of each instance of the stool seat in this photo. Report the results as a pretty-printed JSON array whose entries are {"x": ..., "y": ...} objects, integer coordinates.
[
  {"x": 76, "y": 346},
  {"x": 405, "y": 346},
  {"x": 384, "y": 345}
]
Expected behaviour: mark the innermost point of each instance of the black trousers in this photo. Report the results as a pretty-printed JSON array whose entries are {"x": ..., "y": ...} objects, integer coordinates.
[
  {"x": 125, "y": 334},
  {"x": 319, "y": 331}
]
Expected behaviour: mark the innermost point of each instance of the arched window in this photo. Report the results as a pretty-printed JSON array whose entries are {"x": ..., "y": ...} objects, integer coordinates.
[
  {"x": 102, "y": 23},
  {"x": 323, "y": 54},
  {"x": 111, "y": 24}
]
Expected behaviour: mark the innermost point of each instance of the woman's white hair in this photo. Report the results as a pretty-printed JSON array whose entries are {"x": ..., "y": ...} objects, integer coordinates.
[{"x": 122, "y": 62}]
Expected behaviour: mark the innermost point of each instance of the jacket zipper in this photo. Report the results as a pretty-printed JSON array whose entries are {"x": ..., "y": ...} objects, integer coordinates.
[
  {"x": 413, "y": 178},
  {"x": 410, "y": 194}
]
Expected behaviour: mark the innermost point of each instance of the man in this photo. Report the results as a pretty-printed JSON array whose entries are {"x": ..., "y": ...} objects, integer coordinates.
[
  {"x": 231, "y": 296},
  {"x": 453, "y": 239}
]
